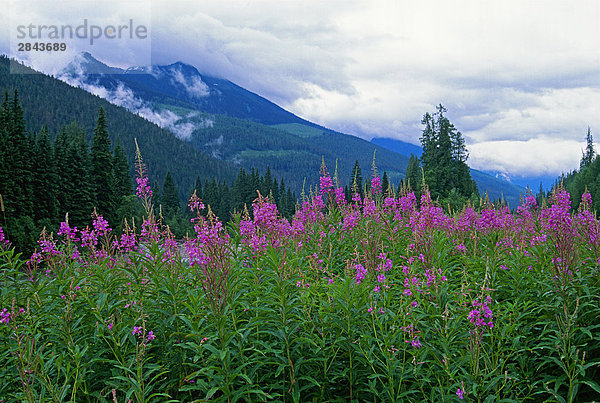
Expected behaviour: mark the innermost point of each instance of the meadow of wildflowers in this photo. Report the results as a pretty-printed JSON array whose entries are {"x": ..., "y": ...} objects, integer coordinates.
[{"x": 378, "y": 299}]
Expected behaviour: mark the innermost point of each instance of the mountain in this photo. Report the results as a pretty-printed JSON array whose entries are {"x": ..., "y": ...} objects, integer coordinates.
[
  {"x": 495, "y": 187},
  {"x": 180, "y": 84},
  {"x": 51, "y": 102},
  {"x": 230, "y": 123},
  {"x": 398, "y": 146}
]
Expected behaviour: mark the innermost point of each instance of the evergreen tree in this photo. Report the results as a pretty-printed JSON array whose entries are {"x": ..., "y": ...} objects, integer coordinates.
[
  {"x": 444, "y": 157},
  {"x": 223, "y": 210},
  {"x": 291, "y": 203},
  {"x": 385, "y": 183},
  {"x": 413, "y": 174},
  {"x": 74, "y": 190},
  {"x": 211, "y": 195},
  {"x": 122, "y": 178},
  {"x": 17, "y": 192},
  {"x": 170, "y": 197},
  {"x": 356, "y": 181},
  {"x": 122, "y": 185},
  {"x": 102, "y": 170},
  {"x": 44, "y": 180},
  {"x": 589, "y": 154},
  {"x": 283, "y": 200},
  {"x": 198, "y": 187},
  {"x": 266, "y": 184}
]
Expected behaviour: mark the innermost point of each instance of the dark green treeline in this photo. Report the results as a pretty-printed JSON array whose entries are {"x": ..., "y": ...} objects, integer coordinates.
[{"x": 43, "y": 177}]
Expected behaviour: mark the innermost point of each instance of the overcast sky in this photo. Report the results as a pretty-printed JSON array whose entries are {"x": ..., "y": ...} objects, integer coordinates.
[{"x": 520, "y": 78}]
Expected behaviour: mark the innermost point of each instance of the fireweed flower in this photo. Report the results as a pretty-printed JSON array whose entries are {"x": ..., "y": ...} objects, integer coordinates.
[
  {"x": 326, "y": 184},
  {"x": 460, "y": 394},
  {"x": 340, "y": 197},
  {"x": 101, "y": 226},
  {"x": 137, "y": 330},
  {"x": 143, "y": 189},
  {"x": 151, "y": 335},
  {"x": 70, "y": 233},
  {"x": 4, "y": 316},
  {"x": 481, "y": 315},
  {"x": 48, "y": 247},
  {"x": 361, "y": 273},
  {"x": 376, "y": 185},
  {"x": 195, "y": 204}
]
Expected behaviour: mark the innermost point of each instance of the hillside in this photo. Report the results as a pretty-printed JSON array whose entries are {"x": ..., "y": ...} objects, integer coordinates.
[
  {"x": 231, "y": 123},
  {"x": 51, "y": 102}
]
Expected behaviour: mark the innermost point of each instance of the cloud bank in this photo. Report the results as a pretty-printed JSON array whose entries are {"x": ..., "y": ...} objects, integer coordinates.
[{"x": 521, "y": 80}]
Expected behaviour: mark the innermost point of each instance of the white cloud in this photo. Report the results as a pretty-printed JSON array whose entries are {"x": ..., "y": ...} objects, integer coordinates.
[
  {"x": 521, "y": 76},
  {"x": 538, "y": 156},
  {"x": 195, "y": 87},
  {"x": 181, "y": 126}
]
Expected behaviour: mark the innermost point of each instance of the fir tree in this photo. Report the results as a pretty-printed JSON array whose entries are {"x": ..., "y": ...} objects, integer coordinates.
[
  {"x": 44, "y": 180},
  {"x": 413, "y": 174},
  {"x": 170, "y": 197},
  {"x": 17, "y": 192},
  {"x": 122, "y": 185},
  {"x": 75, "y": 189},
  {"x": 122, "y": 178},
  {"x": 385, "y": 183},
  {"x": 102, "y": 171},
  {"x": 589, "y": 154},
  {"x": 356, "y": 180},
  {"x": 444, "y": 157}
]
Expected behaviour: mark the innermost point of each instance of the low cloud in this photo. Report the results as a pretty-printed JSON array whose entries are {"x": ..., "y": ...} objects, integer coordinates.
[
  {"x": 123, "y": 96},
  {"x": 536, "y": 157},
  {"x": 523, "y": 76},
  {"x": 194, "y": 86}
]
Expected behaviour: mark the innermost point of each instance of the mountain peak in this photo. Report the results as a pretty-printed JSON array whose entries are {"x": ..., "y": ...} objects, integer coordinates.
[
  {"x": 86, "y": 63},
  {"x": 183, "y": 67}
]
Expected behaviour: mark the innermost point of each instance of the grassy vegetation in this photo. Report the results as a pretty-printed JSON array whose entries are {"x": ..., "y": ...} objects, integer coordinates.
[{"x": 379, "y": 300}]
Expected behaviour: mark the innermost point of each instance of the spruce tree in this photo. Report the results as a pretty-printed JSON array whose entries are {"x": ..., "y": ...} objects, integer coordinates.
[
  {"x": 18, "y": 152},
  {"x": 413, "y": 174},
  {"x": 44, "y": 180},
  {"x": 198, "y": 187},
  {"x": 122, "y": 185},
  {"x": 291, "y": 203},
  {"x": 224, "y": 207},
  {"x": 102, "y": 170},
  {"x": 75, "y": 188},
  {"x": 170, "y": 197},
  {"x": 356, "y": 180},
  {"x": 122, "y": 178},
  {"x": 589, "y": 154},
  {"x": 444, "y": 157},
  {"x": 266, "y": 182},
  {"x": 385, "y": 183}
]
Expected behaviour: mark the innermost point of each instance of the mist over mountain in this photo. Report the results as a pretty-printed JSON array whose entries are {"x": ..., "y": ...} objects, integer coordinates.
[
  {"x": 233, "y": 124},
  {"x": 229, "y": 122}
]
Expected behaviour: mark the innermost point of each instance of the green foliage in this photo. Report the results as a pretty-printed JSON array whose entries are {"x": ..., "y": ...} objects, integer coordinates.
[
  {"x": 586, "y": 179},
  {"x": 101, "y": 173},
  {"x": 170, "y": 197},
  {"x": 56, "y": 104},
  {"x": 294, "y": 321},
  {"x": 589, "y": 153},
  {"x": 444, "y": 157},
  {"x": 414, "y": 174}
]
